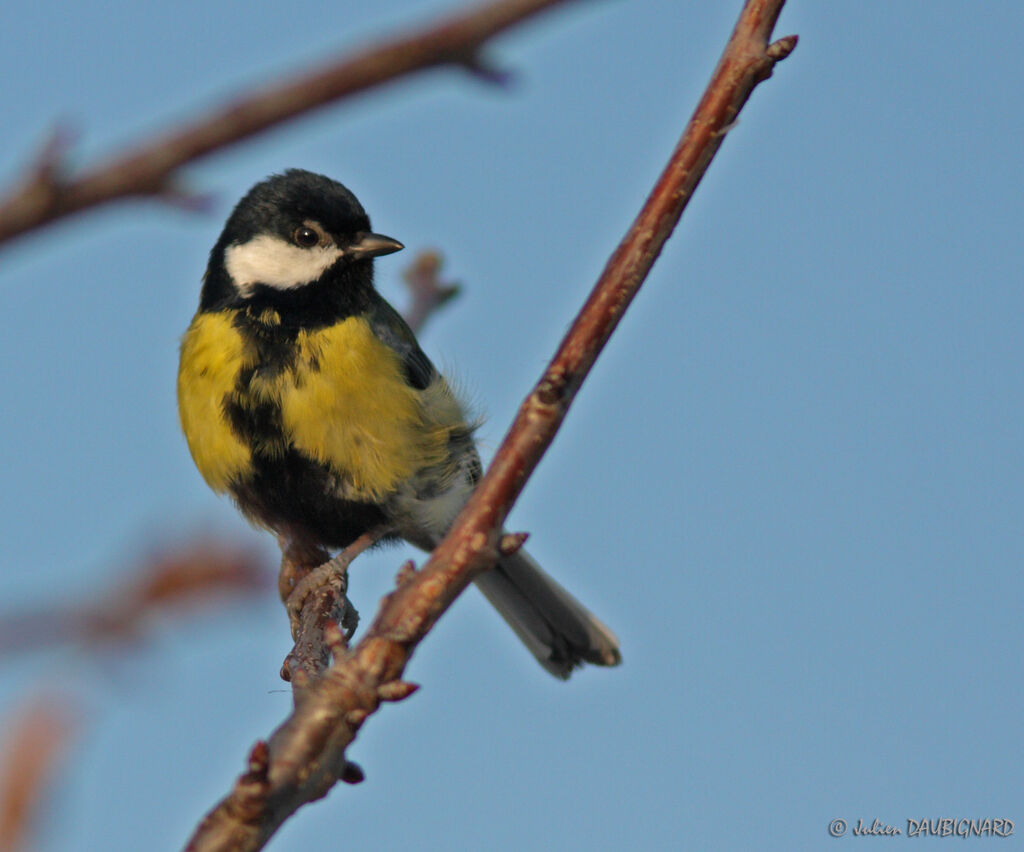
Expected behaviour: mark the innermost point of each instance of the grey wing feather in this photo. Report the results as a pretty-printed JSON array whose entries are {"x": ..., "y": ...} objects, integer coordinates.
[{"x": 392, "y": 330}]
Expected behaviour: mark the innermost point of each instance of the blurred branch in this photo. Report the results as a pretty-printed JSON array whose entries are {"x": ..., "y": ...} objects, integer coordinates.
[
  {"x": 188, "y": 575},
  {"x": 33, "y": 744},
  {"x": 47, "y": 193},
  {"x": 306, "y": 755},
  {"x": 428, "y": 292}
]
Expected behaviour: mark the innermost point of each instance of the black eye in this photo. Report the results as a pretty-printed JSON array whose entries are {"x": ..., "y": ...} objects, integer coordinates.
[{"x": 305, "y": 237}]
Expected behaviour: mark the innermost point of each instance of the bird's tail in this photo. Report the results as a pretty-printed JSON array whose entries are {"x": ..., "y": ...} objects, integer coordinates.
[{"x": 559, "y": 631}]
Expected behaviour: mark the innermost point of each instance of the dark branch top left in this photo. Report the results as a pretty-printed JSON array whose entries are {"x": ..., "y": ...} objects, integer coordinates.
[{"x": 46, "y": 193}]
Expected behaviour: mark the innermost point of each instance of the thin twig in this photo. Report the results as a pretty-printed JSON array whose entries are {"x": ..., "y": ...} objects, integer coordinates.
[
  {"x": 195, "y": 573},
  {"x": 35, "y": 741},
  {"x": 427, "y": 291},
  {"x": 306, "y": 755},
  {"x": 46, "y": 194}
]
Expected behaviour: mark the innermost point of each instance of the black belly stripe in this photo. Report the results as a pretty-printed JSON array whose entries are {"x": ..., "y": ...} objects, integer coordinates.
[
  {"x": 286, "y": 490},
  {"x": 292, "y": 495}
]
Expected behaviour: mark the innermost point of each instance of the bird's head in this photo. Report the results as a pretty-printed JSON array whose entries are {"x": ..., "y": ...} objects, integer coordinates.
[{"x": 288, "y": 233}]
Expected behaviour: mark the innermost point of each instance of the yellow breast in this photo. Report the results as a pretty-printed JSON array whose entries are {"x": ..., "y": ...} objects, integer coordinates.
[
  {"x": 213, "y": 352},
  {"x": 347, "y": 404},
  {"x": 343, "y": 400}
]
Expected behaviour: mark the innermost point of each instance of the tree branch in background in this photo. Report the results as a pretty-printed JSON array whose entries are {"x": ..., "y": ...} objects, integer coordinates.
[
  {"x": 192, "y": 574},
  {"x": 34, "y": 742},
  {"x": 169, "y": 582},
  {"x": 47, "y": 193},
  {"x": 428, "y": 292},
  {"x": 305, "y": 757}
]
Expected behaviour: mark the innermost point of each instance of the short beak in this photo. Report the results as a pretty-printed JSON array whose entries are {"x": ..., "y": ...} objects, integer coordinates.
[{"x": 371, "y": 245}]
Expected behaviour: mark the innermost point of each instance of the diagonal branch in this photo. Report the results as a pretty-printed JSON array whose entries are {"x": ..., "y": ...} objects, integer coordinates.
[
  {"x": 306, "y": 755},
  {"x": 35, "y": 743},
  {"x": 195, "y": 573},
  {"x": 46, "y": 194}
]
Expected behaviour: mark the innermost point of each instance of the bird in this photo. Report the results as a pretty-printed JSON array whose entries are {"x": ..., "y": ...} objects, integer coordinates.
[{"x": 305, "y": 397}]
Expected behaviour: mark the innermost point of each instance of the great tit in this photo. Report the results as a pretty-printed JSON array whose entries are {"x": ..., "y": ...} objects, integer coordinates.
[{"x": 304, "y": 396}]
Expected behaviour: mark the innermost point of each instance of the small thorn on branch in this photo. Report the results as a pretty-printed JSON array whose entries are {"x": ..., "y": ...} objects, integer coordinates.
[
  {"x": 353, "y": 773},
  {"x": 49, "y": 168},
  {"x": 396, "y": 690},
  {"x": 512, "y": 542},
  {"x": 250, "y": 793},
  {"x": 259, "y": 759},
  {"x": 51, "y": 161},
  {"x": 405, "y": 573},
  {"x": 486, "y": 70},
  {"x": 780, "y": 49}
]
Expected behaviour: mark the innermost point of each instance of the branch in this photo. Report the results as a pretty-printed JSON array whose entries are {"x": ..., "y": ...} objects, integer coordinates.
[
  {"x": 427, "y": 291},
  {"x": 46, "y": 194},
  {"x": 306, "y": 755},
  {"x": 198, "y": 572},
  {"x": 35, "y": 742},
  {"x": 314, "y": 590}
]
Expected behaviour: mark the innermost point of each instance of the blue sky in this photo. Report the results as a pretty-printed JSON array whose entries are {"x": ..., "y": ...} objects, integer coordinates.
[{"x": 792, "y": 484}]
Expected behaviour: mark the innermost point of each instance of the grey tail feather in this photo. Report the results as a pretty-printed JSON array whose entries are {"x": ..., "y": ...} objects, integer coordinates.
[{"x": 558, "y": 630}]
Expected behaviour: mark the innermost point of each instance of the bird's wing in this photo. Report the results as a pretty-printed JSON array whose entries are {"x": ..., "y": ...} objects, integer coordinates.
[{"x": 391, "y": 329}]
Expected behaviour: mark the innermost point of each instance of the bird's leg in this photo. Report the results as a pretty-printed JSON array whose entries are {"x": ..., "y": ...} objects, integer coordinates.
[
  {"x": 297, "y": 560},
  {"x": 318, "y": 599},
  {"x": 330, "y": 572}
]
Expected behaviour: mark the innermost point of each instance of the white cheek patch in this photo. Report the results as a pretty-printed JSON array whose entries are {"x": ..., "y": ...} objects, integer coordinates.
[{"x": 269, "y": 260}]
